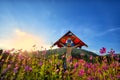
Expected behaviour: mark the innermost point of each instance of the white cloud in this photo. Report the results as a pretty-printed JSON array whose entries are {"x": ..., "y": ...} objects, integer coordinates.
[
  {"x": 85, "y": 32},
  {"x": 23, "y": 40},
  {"x": 108, "y": 31},
  {"x": 113, "y": 29}
]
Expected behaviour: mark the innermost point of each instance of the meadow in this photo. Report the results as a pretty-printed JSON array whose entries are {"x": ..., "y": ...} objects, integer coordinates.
[{"x": 39, "y": 65}]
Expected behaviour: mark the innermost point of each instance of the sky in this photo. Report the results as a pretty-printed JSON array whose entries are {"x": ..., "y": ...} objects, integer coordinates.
[{"x": 24, "y": 23}]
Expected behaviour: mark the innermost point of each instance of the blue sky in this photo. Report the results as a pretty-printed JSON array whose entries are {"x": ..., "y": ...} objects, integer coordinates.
[{"x": 97, "y": 23}]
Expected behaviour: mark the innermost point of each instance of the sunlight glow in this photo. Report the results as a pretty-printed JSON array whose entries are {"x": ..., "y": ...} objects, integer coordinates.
[{"x": 24, "y": 40}]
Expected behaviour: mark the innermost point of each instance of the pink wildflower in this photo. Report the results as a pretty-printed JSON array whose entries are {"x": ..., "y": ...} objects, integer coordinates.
[
  {"x": 91, "y": 57},
  {"x": 81, "y": 72},
  {"x": 81, "y": 61},
  {"x": 44, "y": 52},
  {"x": 90, "y": 78},
  {"x": 9, "y": 66},
  {"x": 40, "y": 63},
  {"x": 88, "y": 65},
  {"x": 82, "y": 54},
  {"x": 7, "y": 51},
  {"x": 76, "y": 65},
  {"x": 105, "y": 67}
]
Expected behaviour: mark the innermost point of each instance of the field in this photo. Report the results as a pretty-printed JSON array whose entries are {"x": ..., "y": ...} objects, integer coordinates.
[{"x": 41, "y": 65}]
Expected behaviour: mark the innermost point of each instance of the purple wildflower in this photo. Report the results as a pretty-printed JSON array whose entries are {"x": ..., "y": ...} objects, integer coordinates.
[
  {"x": 103, "y": 50},
  {"x": 15, "y": 69},
  {"x": 118, "y": 76},
  {"x": 111, "y": 52},
  {"x": 28, "y": 68},
  {"x": 5, "y": 71}
]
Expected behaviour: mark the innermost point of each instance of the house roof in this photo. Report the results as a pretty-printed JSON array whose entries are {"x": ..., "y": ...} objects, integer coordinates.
[{"x": 73, "y": 37}]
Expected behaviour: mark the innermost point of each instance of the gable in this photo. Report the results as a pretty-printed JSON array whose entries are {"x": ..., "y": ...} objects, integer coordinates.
[{"x": 73, "y": 37}]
